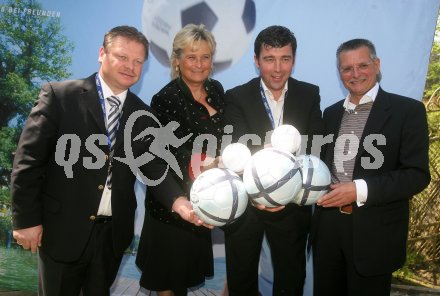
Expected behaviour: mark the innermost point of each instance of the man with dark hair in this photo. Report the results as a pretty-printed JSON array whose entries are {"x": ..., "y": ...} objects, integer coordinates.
[
  {"x": 258, "y": 107},
  {"x": 82, "y": 220},
  {"x": 360, "y": 227}
]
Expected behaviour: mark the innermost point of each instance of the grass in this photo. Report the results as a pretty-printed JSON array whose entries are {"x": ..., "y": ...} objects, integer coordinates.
[{"x": 18, "y": 270}]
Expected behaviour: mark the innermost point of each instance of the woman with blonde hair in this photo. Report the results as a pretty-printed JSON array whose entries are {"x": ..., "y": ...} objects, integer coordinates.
[{"x": 175, "y": 255}]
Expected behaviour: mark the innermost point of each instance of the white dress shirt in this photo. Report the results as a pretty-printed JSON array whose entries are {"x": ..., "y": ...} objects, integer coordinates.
[{"x": 105, "y": 206}]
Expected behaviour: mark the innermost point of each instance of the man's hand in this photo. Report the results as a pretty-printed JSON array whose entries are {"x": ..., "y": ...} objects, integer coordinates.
[
  {"x": 183, "y": 207},
  {"x": 29, "y": 238},
  {"x": 340, "y": 194}
]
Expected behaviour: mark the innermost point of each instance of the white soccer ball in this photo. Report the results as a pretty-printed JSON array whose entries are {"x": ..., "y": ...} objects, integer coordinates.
[
  {"x": 218, "y": 196},
  {"x": 272, "y": 177},
  {"x": 286, "y": 137},
  {"x": 316, "y": 179},
  {"x": 235, "y": 156},
  {"x": 232, "y": 22}
]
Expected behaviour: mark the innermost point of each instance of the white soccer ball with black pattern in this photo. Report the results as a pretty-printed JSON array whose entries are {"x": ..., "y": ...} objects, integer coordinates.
[
  {"x": 316, "y": 179},
  {"x": 286, "y": 137},
  {"x": 218, "y": 196},
  {"x": 232, "y": 22},
  {"x": 272, "y": 177},
  {"x": 235, "y": 156}
]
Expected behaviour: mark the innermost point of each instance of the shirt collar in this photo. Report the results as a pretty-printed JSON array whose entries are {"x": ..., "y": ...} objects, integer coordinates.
[
  {"x": 269, "y": 94},
  {"x": 370, "y": 96},
  {"x": 107, "y": 92}
]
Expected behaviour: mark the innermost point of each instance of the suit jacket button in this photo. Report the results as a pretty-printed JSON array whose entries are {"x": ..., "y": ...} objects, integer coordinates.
[
  {"x": 101, "y": 187},
  {"x": 92, "y": 218}
]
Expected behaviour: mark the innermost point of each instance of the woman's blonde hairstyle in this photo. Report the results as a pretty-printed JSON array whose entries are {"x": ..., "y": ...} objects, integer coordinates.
[{"x": 190, "y": 35}]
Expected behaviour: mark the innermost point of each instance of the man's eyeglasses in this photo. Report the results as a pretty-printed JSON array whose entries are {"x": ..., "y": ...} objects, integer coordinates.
[{"x": 350, "y": 69}]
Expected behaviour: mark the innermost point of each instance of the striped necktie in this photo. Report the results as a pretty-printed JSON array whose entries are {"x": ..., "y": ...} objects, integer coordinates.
[
  {"x": 112, "y": 127},
  {"x": 113, "y": 119}
]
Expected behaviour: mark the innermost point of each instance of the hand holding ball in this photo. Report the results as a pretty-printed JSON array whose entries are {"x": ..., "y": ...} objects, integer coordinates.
[
  {"x": 218, "y": 196},
  {"x": 316, "y": 179}
]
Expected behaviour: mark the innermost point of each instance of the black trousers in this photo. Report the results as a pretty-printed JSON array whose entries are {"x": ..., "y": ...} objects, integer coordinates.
[
  {"x": 93, "y": 273},
  {"x": 286, "y": 233},
  {"x": 334, "y": 272}
]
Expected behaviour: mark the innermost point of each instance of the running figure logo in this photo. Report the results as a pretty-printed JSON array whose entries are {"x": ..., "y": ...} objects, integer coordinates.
[{"x": 163, "y": 137}]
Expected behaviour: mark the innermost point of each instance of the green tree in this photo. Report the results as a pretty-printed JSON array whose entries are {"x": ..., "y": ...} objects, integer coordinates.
[
  {"x": 433, "y": 76},
  {"x": 32, "y": 51},
  {"x": 431, "y": 95}
]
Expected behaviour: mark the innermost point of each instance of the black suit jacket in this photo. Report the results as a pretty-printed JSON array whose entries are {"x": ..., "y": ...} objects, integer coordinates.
[
  {"x": 247, "y": 114},
  {"x": 380, "y": 227},
  {"x": 43, "y": 194},
  {"x": 245, "y": 111}
]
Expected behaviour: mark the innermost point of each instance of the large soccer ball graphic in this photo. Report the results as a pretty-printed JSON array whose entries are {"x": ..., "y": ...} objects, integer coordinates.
[
  {"x": 218, "y": 196},
  {"x": 232, "y": 23},
  {"x": 316, "y": 179},
  {"x": 271, "y": 177}
]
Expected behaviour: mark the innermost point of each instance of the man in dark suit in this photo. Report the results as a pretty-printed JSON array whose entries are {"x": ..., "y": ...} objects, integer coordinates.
[
  {"x": 81, "y": 219},
  {"x": 256, "y": 108},
  {"x": 378, "y": 160}
]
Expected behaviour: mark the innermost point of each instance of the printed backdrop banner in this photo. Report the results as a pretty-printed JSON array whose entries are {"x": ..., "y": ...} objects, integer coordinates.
[{"x": 402, "y": 31}]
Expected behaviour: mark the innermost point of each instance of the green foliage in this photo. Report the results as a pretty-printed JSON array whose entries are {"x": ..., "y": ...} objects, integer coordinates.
[
  {"x": 8, "y": 144},
  {"x": 5, "y": 223},
  {"x": 32, "y": 51},
  {"x": 21, "y": 96},
  {"x": 433, "y": 76},
  {"x": 5, "y": 213},
  {"x": 5, "y": 196},
  {"x": 413, "y": 261},
  {"x": 434, "y": 124}
]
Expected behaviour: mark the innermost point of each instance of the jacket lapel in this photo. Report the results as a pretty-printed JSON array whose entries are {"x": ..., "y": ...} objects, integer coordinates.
[
  {"x": 292, "y": 112},
  {"x": 260, "y": 116},
  {"x": 333, "y": 122},
  {"x": 379, "y": 114},
  {"x": 335, "y": 119},
  {"x": 90, "y": 101},
  {"x": 127, "y": 110}
]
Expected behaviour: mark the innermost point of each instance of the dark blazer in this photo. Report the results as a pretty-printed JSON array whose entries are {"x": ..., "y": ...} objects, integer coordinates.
[
  {"x": 43, "y": 194},
  {"x": 286, "y": 230},
  {"x": 247, "y": 112},
  {"x": 380, "y": 227}
]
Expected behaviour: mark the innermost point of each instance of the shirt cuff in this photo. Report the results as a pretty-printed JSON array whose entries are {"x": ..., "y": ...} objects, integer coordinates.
[{"x": 361, "y": 192}]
